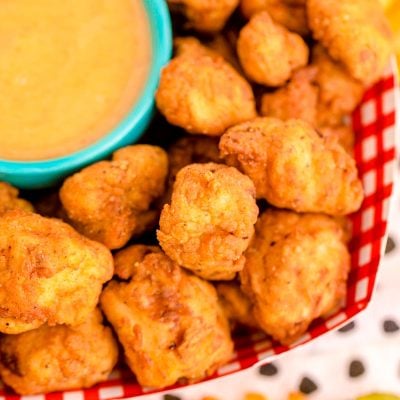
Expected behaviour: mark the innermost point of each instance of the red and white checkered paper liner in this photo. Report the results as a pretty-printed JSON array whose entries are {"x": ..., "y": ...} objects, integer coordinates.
[{"x": 374, "y": 124}]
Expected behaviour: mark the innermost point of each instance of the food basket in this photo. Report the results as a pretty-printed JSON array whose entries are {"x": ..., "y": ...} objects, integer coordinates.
[{"x": 374, "y": 123}]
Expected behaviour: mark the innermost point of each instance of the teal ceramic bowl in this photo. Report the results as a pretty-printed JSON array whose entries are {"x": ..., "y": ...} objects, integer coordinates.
[{"x": 45, "y": 173}]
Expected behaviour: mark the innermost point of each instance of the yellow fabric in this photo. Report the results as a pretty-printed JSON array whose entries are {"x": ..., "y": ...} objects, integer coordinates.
[{"x": 392, "y": 8}]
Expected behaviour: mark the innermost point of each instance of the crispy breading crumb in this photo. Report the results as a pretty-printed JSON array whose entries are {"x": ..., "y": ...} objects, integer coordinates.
[
  {"x": 9, "y": 199},
  {"x": 168, "y": 320},
  {"x": 210, "y": 220},
  {"x": 202, "y": 93},
  {"x": 57, "y": 358},
  {"x": 49, "y": 272},
  {"x": 268, "y": 52},
  {"x": 293, "y": 167},
  {"x": 296, "y": 270},
  {"x": 355, "y": 32},
  {"x": 207, "y": 16},
  {"x": 109, "y": 201}
]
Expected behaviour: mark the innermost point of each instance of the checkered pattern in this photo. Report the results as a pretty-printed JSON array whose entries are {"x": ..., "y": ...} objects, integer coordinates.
[{"x": 375, "y": 127}]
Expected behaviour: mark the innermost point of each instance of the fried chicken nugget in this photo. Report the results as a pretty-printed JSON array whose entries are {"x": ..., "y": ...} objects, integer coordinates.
[
  {"x": 303, "y": 98},
  {"x": 222, "y": 44},
  {"x": 189, "y": 150},
  {"x": 339, "y": 92},
  {"x": 202, "y": 93},
  {"x": 268, "y": 52},
  {"x": 58, "y": 358},
  {"x": 210, "y": 220},
  {"x": 296, "y": 270},
  {"x": 321, "y": 94},
  {"x": 236, "y": 305},
  {"x": 49, "y": 273},
  {"x": 125, "y": 261},
  {"x": 297, "y": 99},
  {"x": 206, "y": 16},
  {"x": 217, "y": 46},
  {"x": 168, "y": 320},
  {"x": 192, "y": 47},
  {"x": 289, "y": 13},
  {"x": 109, "y": 201},
  {"x": 293, "y": 167},
  {"x": 9, "y": 199},
  {"x": 355, "y": 32},
  {"x": 342, "y": 134}
]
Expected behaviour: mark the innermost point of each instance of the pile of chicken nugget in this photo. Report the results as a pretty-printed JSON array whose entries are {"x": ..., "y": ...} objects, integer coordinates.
[{"x": 241, "y": 221}]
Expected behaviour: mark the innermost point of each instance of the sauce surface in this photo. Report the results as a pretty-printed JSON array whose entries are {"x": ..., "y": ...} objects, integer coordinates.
[{"x": 69, "y": 72}]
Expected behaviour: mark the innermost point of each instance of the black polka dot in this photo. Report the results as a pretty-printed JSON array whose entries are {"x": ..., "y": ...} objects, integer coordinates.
[
  {"x": 348, "y": 327},
  {"x": 390, "y": 326},
  {"x": 171, "y": 397},
  {"x": 268, "y": 369},
  {"x": 307, "y": 386},
  {"x": 390, "y": 245},
  {"x": 356, "y": 369}
]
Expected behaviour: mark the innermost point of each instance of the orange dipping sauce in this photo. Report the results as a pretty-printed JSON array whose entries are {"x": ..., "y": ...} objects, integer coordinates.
[{"x": 69, "y": 72}]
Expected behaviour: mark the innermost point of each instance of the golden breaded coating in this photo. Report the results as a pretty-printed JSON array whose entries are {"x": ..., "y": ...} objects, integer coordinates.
[
  {"x": 341, "y": 134},
  {"x": 216, "y": 47},
  {"x": 168, "y": 321},
  {"x": 126, "y": 260},
  {"x": 268, "y": 52},
  {"x": 297, "y": 99},
  {"x": 355, "y": 32},
  {"x": 296, "y": 270},
  {"x": 9, "y": 199},
  {"x": 189, "y": 150},
  {"x": 289, "y": 13},
  {"x": 191, "y": 46},
  {"x": 293, "y": 167},
  {"x": 58, "y": 358},
  {"x": 321, "y": 94},
  {"x": 347, "y": 227},
  {"x": 210, "y": 220},
  {"x": 207, "y": 16},
  {"x": 236, "y": 305},
  {"x": 223, "y": 45},
  {"x": 202, "y": 93},
  {"x": 110, "y": 201},
  {"x": 339, "y": 93},
  {"x": 49, "y": 273}
]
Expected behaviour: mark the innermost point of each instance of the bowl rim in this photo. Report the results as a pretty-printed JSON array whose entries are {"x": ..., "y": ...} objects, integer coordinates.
[{"x": 161, "y": 43}]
